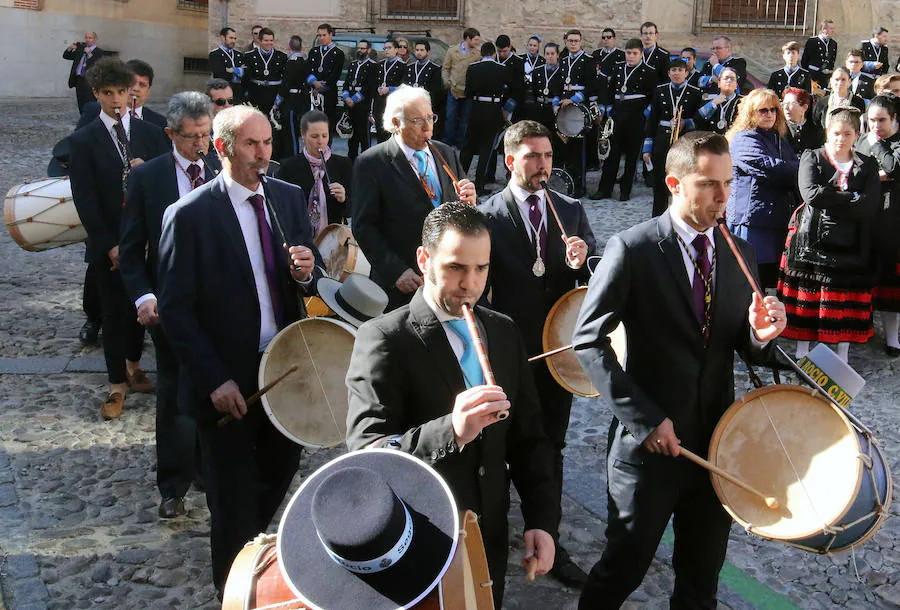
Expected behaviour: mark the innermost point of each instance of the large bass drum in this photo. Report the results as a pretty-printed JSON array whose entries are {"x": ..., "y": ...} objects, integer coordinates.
[
  {"x": 41, "y": 215},
  {"x": 829, "y": 476},
  {"x": 558, "y": 330}
]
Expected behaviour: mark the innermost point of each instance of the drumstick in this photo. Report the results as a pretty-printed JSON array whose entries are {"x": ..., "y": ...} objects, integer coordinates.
[
  {"x": 552, "y": 352},
  {"x": 255, "y": 398},
  {"x": 729, "y": 239},
  {"x": 769, "y": 500},
  {"x": 553, "y": 209},
  {"x": 481, "y": 352},
  {"x": 530, "y": 568},
  {"x": 437, "y": 154}
]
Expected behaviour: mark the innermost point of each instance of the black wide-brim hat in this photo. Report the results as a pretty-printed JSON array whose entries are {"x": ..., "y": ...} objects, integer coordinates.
[{"x": 320, "y": 582}]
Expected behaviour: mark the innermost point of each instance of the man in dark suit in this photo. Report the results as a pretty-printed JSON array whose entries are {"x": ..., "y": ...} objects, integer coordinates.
[
  {"x": 820, "y": 54},
  {"x": 102, "y": 155},
  {"x": 656, "y": 57},
  {"x": 523, "y": 232},
  {"x": 395, "y": 185},
  {"x": 390, "y": 73},
  {"x": 226, "y": 287},
  {"x": 875, "y": 53},
  {"x": 686, "y": 307},
  {"x": 152, "y": 187},
  {"x": 724, "y": 58},
  {"x": 415, "y": 385},
  {"x": 326, "y": 61},
  {"x": 264, "y": 72},
  {"x": 83, "y": 55},
  {"x": 292, "y": 101},
  {"x": 226, "y": 62},
  {"x": 423, "y": 72},
  {"x": 579, "y": 87},
  {"x": 861, "y": 83},
  {"x": 137, "y": 97},
  {"x": 360, "y": 87}
]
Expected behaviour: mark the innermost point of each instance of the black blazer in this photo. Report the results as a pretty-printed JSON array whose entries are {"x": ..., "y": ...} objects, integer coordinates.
[
  {"x": 808, "y": 137},
  {"x": 152, "y": 187},
  {"x": 488, "y": 79},
  {"x": 95, "y": 169},
  {"x": 821, "y": 108},
  {"x": 516, "y": 291},
  {"x": 642, "y": 282},
  {"x": 403, "y": 380},
  {"x": 389, "y": 209},
  {"x": 296, "y": 170},
  {"x": 75, "y": 56},
  {"x": 91, "y": 111},
  {"x": 208, "y": 304}
]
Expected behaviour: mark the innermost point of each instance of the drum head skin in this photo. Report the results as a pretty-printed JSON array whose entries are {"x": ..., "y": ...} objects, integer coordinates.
[
  {"x": 572, "y": 120},
  {"x": 815, "y": 486},
  {"x": 558, "y": 331},
  {"x": 310, "y": 405},
  {"x": 341, "y": 253}
]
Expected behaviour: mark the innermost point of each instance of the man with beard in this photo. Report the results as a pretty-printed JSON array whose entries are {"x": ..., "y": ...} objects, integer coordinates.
[
  {"x": 226, "y": 62},
  {"x": 359, "y": 90}
]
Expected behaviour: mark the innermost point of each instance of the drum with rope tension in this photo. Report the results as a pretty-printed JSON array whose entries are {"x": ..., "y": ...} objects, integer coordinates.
[
  {"x": 310, "y": 405},
  {"x": 256, "y": 581},
  {"x": 341, "y": 252},
  {"x": 573, "y": 121},
  {"x": 41, "y": 215},
  {"x": 827, "y": 473}
]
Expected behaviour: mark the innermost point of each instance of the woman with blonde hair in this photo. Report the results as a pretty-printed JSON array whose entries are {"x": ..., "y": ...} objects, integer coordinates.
[
  {"x": 839, "y": 96},
  {"x": 765, "y": 178}
]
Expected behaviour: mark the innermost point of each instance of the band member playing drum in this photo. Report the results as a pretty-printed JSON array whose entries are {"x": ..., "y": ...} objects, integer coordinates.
[
  {"x": 227, "y": 284},
  {"x": 682, "y": 329},
  {"x": 523, "y": 232},
  {"x": 579, "y": 87},
  {"x": 319, "y": 172},
  {"x": 415, "y": 384}
]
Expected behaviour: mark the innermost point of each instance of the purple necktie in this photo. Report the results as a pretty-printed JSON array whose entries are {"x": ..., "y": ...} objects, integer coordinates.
[
  {"x": 701, "y": 279},
  {"x": 193, "y": 172},
  {"x": 535, "y": 216},
  {"x": 265, "y": 241}
]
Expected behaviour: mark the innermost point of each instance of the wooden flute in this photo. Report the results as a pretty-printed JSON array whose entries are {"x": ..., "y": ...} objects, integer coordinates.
[{"x": 481, "y": 352}]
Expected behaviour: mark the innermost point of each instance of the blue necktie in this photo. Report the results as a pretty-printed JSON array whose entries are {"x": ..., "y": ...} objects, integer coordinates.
[
  {"x": 469, "y": 362},
  {"x": 426, "y": 176}
]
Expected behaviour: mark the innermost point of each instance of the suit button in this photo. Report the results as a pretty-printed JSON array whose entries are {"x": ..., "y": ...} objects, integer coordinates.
[
  {"x": 481, "y": 471},
  {"x": 442, "y": 452},
  {"x": 434, "y": 455},
  {"x": 451, "y": 447}
]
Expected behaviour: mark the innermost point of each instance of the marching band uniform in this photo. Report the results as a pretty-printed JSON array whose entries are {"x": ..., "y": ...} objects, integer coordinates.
[
  {"x": 718, "y": 117},
  {"x": 530, "y": 64},
  {"x": 579, "y": 85},
  {"x": 360, "y": 87},
  {"x": 607, "y": 62},
  {"x": 819, "y": 55},
  {"x": 738, "y": 64},
  {"x": 790, "y": 77},
  {"x": 862, "y": 85},
  {"x": 390, "y": 74},
  {"x": 666, "y": 100},
  {"x": 657, "y": 58},
  {"x": 693, "y": 78},
  {"x": 546, "y": 86},
  {"x": 326, "y": 63},
  {"x": 873, "y": 52},
  {"x": 427, "y": 75},
  {"x": 228, "y": 64},
  {"x": 293, "y": 100},
  {"x": 516, "y": 66},
  {"x": 627, "y": 97},
  {"x": 263, "y": 75}
]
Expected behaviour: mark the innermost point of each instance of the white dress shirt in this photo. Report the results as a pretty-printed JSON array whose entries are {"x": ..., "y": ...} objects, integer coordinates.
[
  {"x": 520, "y": 195},
  {"x": 410, "y": 151},
  {"x": 456, "y": 343},
  {"x": 246, "y": 215},
  {"x": 109, "y": 121}
]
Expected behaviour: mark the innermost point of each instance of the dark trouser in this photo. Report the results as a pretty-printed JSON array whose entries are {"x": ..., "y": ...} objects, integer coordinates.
[
  {"x": 658, "y": 175},
  {"x": 247, "y": 468},
  {"x": 83, "y": 93},
  {"x": 592, "y": 158},
  {"x": 641, "y": 500},
  {"x": 627, "y": 139},
  {"x": 123, "y": 337},
  {"x": 575, "y": 154},
  {"x": 480, "y": 137},
  {"x": 331, "y": 110},
  {"x": 263, "y": 97},
  {"x": 176, "y": 433},
  {"x": 237, "y": 90},
  {"x": 378, "y": 105},
  {"x": 496, "y": 548},
  {"x": 360, "y": 140},
  {"x": 90, "y": 296}
]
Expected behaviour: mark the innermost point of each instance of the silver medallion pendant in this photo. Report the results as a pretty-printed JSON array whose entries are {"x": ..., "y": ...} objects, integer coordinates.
[
  {"x": 721, "y": 124},
  {"x": 265, "y": 72},
  {"x": 568, "y": 80},
  {"x": 538, "y": 268},
  {"x": 546, "y": 91},
  {"x": 624, "y": 88}
]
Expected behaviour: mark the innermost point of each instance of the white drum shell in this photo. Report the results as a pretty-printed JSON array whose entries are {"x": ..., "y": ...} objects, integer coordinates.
[{"x": 41, "y": 215}]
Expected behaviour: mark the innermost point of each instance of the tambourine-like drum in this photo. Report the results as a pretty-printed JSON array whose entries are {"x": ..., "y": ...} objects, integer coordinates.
[
  {"x": 41, "y": 215},
  {"x": 310, "y": 405},
  {"x": 573, "y": 120},
  {"x": 829, "y": 476},
  {"x": 558, "y": 330},
  {"x": 341, "y": 253},
  {"x": 257, "y": 581}
]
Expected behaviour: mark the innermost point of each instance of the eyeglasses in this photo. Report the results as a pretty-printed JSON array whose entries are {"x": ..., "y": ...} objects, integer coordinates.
[
  {"x": 607, "y": 37},
  {"x": 194, "y": 136},
  {"x": 421, "y": 121},
  {"x": 773, "y": 110},
  {"x": 223, "y": 101},
  {"x": 403, "y": 46}
]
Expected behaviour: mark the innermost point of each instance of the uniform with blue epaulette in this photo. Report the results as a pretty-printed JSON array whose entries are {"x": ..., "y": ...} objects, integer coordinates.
[
  {"x": 360, "y": 89},
  {"x": 875, "y": 51},
  {"x": 427, "y": 75},
  {"x": 264, "y": 73},
  {"x": 668, "y": 100},
  {"x": 292, "y": 100},
  {"x": 530, "y": 63},
  {"x": 718, "y": 117},
  {"x": 546, "y": 89},
  {"x": 819, "y": 55},
  {"x": 390, "y": 74},
  {"x": 227, "y": 63},
  {"x": 710, "y": 73},
  {"x": 627, "y": 100},
  {"x": 326, "y": 61},
  {"x": 580, "y": 86}
]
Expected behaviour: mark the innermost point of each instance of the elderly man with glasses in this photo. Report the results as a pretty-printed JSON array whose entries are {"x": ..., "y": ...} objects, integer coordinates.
[
  {"x": 722, "y": 57},
  {"x": 398, "y": 182}
]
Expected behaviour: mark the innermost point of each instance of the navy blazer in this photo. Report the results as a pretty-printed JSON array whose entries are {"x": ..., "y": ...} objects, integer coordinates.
[
  {"x": 152, "y": 187},
  {"x": 95, "y": 170},
  {"x": 207, "y": 297}
]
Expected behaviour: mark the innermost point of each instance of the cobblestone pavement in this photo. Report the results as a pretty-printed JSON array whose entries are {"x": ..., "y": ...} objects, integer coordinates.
[{"x": 78, "y": 525}]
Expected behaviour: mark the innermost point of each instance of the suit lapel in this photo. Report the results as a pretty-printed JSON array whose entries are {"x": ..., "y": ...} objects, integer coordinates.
[
  {"x": 668, "y": 244},
  {"x": 432, "y": 335},
  {"x": 405, "y": 170},
  {"x": 227, "y": 220},
  {"x": 169, "y": 186},
  {"x": 104, "y": 140}
]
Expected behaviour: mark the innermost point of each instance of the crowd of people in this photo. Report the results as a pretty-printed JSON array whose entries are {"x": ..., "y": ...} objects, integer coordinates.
[{"x": 805, "y": 172}]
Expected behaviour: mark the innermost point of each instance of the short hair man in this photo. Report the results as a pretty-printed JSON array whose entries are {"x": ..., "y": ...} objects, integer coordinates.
[
  {"x": 220, "y": 93},
  {"x": 226, "y": 287},
  {"x": 140, "y": 93},
  {"x": 456, "y": 64},
  {"x": 820, "y": 54},
  {"x": 254, "y": 38},
  {"x": 531, "y": 269},
  {"x": 360, "y": 87},
  {"x": 791, "y": 75},
  {"x": 83, "y": 55},
  {"x": 152, "y": 187},
  {"x": 422, "y": 72},
  {"x": 607, "y": 57},
  {"x": 668, "y": 328},
  {"x": 722, "y": 57},
  {"x": 103, "y": 153},
  {"x": 861, "y": 84},
  {"x": 292, "y": 100},
  {"x": 264, "y": 72},
  {"x": 451, "y": 421},
  {"x": 654, "y": 55},
  {"x": 390, "y": 74},
  {"x": 326, "y": 61},
  {"x": 875, "y": 53},
  {"x": 226, "y": 62},
  {"x": 395, "y": 184},
  {"x": 689, "y": 56}
]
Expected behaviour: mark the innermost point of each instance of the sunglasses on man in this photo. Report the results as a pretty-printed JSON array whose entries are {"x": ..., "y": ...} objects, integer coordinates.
[{"x": 223, "y": 101}]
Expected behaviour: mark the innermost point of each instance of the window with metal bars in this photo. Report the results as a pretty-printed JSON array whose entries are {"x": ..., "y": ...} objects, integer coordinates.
[
  {"x": 194, "y": 5},
  {"x": 418, "y": 9},
  {"x": 196, "y": 65}
]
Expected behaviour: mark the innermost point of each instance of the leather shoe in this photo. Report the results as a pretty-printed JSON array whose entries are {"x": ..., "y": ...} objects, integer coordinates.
[
  {"x": 89, "y": 333},
  {"x": 568, "y": 573},
  {"x": 624, "y": 196},
  {"x": 892, "y": 351},
  {"x": 170, "y": 508},
  {"x": 138, "y": 381},
  {"x": 601, "y": 195},
  {"x": 112, "y": 406}
]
